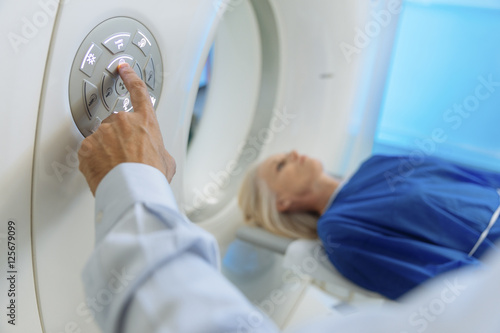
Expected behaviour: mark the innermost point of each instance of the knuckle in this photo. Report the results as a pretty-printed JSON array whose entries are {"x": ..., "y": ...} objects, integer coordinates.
[
  {"x": 103, "y": 130},
  {"x": 85, "y": 146},
  {"x": 119, "y": 120},
  {"x": 120, "y": 117},
  {"x": 85, "y": 149},
  {"x": 105, "y": 127}
]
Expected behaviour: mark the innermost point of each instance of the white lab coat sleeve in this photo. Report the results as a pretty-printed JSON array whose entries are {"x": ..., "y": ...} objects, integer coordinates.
[{"x": 152, "y": 270}]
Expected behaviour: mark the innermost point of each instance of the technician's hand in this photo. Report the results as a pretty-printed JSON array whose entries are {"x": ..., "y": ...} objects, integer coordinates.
[{"x": 126, "y": 137}]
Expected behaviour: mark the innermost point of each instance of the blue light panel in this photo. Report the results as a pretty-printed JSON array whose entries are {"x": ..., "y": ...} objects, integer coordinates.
[{"x": 443, "y": 91}]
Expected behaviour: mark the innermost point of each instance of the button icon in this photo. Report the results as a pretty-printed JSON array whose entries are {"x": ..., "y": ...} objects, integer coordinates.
[
  {"x": 117, "y": 43},
  {"x": 90, "y": 59},
  {"x": 108, "y": 91},
  {"x": 123, "y": 104},
  {"x": 90, "y": 97},
  {"x": 92, "y": 101},
  {"x": 121, "y": 90},
  {"x": 149, "y": 70},
  {"x": 142, "y": 42},
  {"x": 126, "y": 103},
  {"x": 153, "y": 99}
]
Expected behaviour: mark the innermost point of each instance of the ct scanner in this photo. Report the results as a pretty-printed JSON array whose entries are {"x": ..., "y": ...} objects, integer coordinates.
[{"x": 286, "y": 74}]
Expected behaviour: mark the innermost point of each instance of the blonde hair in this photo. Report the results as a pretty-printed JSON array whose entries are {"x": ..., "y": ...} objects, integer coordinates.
[{"x": 258, "y": 204}]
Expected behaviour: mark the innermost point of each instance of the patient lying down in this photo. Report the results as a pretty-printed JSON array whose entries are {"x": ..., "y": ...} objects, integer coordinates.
[{"x": 394, "y": 224}]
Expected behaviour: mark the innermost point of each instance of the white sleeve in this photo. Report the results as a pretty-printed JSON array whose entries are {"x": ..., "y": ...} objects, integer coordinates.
[{"x": 152, "y": 270}]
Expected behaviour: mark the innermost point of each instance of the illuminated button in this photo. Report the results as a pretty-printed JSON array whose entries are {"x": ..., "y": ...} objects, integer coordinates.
[
  {"x": 113, "y": 66},
  {"x": 149, "y": 71},
  {"x": 123, "y": 104},
  {"x": 117, "y": 43},
  {"x": 95, "y": 125},
  {"x": 137, "y": 70},
  {"x": 142, "y": 42},
  {"x": 108, "y": 92},
  {"x": 153, "y": 99},
  {"x": 91, "y": 97},
  {"x": 90, "y": 60}
]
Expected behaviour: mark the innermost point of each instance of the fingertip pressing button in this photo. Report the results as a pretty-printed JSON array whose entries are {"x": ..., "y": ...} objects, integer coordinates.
[{"x": 113, "y": 66}]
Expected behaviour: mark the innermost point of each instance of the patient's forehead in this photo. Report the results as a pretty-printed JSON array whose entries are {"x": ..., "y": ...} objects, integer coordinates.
[{"x": 267, "y": 169}]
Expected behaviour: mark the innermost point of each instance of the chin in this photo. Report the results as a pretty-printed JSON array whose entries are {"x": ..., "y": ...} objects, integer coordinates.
[
  {"x": 317, "y": 162},
  {"x": 317, "y": 165}
]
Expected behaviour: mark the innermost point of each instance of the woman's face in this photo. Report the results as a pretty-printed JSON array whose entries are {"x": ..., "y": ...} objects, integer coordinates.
[{"x": 290, "y": 176}]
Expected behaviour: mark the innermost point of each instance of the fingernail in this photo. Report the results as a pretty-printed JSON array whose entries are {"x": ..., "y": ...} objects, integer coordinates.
[{"x": 123, "y": 65}]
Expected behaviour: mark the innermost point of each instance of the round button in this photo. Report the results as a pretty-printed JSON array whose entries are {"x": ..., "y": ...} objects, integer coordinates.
[
  {"x": 120, "y": 88},
  {"x": 113, "y": 41}
]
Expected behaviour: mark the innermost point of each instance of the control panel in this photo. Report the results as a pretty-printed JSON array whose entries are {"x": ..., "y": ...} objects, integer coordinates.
[{"x": 95, "y": 89}]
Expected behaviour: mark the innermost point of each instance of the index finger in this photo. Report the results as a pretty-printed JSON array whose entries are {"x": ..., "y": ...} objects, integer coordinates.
[{"x": 137, "y": 88}]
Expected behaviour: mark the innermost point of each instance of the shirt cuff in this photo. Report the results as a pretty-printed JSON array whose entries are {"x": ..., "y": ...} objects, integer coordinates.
[{"x": 125, "y": 185}]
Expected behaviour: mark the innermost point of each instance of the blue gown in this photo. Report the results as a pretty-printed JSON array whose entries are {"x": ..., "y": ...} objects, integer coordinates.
[{"x": 398, "y": 222}]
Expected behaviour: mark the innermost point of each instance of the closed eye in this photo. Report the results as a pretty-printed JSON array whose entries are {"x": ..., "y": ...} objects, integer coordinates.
[{"x": 280, "y": 165}]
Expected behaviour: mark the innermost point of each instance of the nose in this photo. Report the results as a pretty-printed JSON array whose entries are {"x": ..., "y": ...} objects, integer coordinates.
[{"x": 293, "y": 155}]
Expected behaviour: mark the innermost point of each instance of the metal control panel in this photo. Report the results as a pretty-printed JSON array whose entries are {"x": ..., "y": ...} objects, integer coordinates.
[{"x": 95, "y": 89}]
